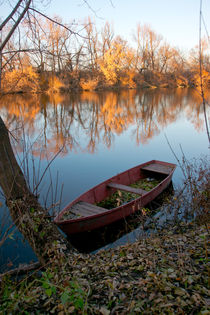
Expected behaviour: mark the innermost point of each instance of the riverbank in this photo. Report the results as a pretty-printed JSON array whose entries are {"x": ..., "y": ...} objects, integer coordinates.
[
  {"x": 32, "y": 81},
  {"x": 165, "y": 274}
]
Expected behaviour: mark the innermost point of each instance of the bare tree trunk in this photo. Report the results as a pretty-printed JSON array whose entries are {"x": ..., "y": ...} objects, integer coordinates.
[{"x": 31, "y": 219}]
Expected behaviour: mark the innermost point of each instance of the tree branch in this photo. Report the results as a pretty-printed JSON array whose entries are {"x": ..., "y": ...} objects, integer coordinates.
[
  {"x": 15, "y": 25},
  {"x": 20, "y": 270},
  {"x": 10, "y": 15},
  {"x": 56, "y": 22}
]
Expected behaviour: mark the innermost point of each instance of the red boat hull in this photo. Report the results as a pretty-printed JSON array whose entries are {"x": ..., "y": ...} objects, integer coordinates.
[{"x": 102, "y": 191}]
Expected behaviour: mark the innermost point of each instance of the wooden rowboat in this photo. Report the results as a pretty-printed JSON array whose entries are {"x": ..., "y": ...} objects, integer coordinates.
[{"x": 83, "y": 214}]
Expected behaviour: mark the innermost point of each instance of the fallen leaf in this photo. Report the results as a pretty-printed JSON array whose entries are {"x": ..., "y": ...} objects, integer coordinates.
[{"x": 104, "y": 311}]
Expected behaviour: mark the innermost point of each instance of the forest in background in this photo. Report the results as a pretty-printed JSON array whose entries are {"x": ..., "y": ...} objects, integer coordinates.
[{"x": 51, "y": 58}]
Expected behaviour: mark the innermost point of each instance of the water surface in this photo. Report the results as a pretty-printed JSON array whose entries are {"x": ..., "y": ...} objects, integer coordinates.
[{"x": 98, "y": 135}]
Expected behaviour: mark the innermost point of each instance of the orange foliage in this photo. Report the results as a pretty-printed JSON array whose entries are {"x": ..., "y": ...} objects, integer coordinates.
[
  {"x": 205, "y": 79},
  {"x": 103, "y": 115},
  {"x": 116, "y": 116},
  {"x": 127, "y": 79},
  {"x": 89, "y": 84},
  {"x": 20, "y": 80},
  {"x": 23, "y": 107},
  {"x": 90, "y": 97},
  {"x": 117, "y": 61},
  {"x": 54, "y": 84},
  {"x": 181, "y": 81}
]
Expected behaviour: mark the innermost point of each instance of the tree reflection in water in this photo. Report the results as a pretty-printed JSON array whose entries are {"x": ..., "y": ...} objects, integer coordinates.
[
  {"x": 60, "y": 121},
  {"x": 80, "y": 123}
]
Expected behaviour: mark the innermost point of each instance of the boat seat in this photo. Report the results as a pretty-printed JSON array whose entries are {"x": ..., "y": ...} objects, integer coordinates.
[
  {"x": 157, "y": 168},
  {"x": 137, "y": 191},
  {"x": 85, "y": 209}
]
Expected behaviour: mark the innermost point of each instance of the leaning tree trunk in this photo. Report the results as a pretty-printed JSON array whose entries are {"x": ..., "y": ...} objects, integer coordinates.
[{"x": 31, "y": 219}]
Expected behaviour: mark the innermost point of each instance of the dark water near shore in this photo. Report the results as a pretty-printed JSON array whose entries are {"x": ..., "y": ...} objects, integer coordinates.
[{"x": 98, "y": 135}]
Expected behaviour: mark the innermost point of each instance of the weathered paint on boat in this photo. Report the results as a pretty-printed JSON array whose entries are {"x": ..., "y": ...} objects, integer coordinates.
[{"x": 95, "y": 217}]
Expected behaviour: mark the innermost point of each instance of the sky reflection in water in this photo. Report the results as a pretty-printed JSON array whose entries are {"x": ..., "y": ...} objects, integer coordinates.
[{"x": 99, "y": 135}]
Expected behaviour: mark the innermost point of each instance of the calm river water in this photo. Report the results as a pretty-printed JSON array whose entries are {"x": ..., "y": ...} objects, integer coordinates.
[{"x": 98, "y": 135}]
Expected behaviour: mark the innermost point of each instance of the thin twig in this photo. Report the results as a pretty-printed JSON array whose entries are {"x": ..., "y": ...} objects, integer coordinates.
[
  {"x": 177, "y": 159},
  {"x": 50, "y": 162},
  {"x": 56, "y": 22},
  {"x": 20, "y": 270}
]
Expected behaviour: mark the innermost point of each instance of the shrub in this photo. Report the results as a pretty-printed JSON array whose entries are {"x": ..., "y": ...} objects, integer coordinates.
[{"x": 89, "y": 84}]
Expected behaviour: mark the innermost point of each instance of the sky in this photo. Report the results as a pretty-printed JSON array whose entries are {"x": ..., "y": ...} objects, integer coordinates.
[{"x": 176, "y": 20}]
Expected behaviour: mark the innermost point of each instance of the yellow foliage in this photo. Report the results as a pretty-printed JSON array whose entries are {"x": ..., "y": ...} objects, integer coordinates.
[
  {"x": 181, "y": 81},
  {"x": 20, "y": 80},
  {"x": 56, "y": 98},
  {"x": 127, "y": 79},
  {"x": 89, "y": 85},
  {"x": 90, "y": 97},
  {"x": 54, "y": 84},
  {"x": 109, "y": 67},
  {"x": 116, "y": 115},
  {"x": 117, "y": 63},
  {"x": 205, "y": 78}
]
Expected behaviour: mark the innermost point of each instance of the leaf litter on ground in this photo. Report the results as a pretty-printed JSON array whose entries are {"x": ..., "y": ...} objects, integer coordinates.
[{"x": 165, "y": 274}]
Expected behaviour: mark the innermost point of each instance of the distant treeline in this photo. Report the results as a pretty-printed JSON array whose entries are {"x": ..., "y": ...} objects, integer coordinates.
[{"x": 53, "y": 59}]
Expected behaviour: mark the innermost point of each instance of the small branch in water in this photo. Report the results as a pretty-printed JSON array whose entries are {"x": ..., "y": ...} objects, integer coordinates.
[{"x": 20, "y": 270}]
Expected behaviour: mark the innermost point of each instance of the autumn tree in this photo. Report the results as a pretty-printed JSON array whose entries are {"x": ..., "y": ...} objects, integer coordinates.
[
  {"x": 200, "y": 56},
  {"x": 117, "y": 61},
  {"x": 36, "y": 36},
  {"x": 17, "y": 70},
  {"x": 107, "y": 36},
  {"x": 92, "y": 45},
  {"x": 32, "y": 220},
  {"x": 148, "y": 43},
  {"x": 165, "y": 54},
  {"x": 21, "y": 78}
]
